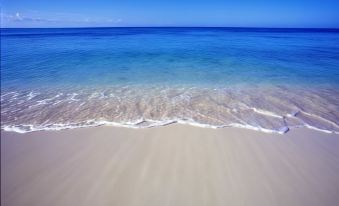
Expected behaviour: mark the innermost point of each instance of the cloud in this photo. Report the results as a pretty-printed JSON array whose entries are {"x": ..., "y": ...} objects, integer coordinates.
[
  {"x": 17, "y": 16},
  {"x": 114, "y": 20},
  {"x": 19, "y": 19}
]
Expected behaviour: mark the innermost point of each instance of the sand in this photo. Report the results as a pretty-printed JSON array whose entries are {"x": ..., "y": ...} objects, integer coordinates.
[{"x": 171, "y": 165}]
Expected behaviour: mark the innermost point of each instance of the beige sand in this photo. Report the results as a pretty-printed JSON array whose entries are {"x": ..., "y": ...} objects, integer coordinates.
[{"x": 172, "y": 165}]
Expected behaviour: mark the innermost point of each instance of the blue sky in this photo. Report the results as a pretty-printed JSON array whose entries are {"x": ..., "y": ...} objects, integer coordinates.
[{"x": 233, "y": 13}]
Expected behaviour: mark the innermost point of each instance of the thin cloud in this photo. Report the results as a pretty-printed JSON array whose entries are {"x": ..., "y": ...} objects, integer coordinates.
[
  {"x": 27, "y": 20},
  {"x": 17, "y": 17}
]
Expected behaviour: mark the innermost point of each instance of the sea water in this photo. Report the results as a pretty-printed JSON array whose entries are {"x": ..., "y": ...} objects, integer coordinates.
[{"x": 270, "y": 80}]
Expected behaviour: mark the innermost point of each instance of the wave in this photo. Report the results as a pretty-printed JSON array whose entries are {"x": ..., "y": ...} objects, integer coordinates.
[
  {"x": 138, "y": 124},
  {"x": 266, "y": 109}
]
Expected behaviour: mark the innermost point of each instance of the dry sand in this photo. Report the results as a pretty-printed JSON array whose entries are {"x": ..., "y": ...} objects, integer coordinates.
[{"x": 172, "y": 165}]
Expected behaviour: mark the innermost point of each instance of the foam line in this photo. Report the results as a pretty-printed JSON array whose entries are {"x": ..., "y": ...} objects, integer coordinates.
[{"x": 138, "y": 124}]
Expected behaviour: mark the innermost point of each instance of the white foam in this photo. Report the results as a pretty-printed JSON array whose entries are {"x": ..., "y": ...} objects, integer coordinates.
[
  {"x": 72, "y": 98},
  {"x": 261, "y": 111},
  {"x": 281, "y": 130},
  {"x": 15, "y": 94},
  {"x": 319, "y": 117},
  {"x": 25, "y": 128},
  {"x": 47, "y": 101},
  {"x": 16, "y": 129},
  {"x": 119, "y": 111},
  {"x": 267, "y": 113},
  {"x": 31, "y": 95},
  {"x": 320, "y": 130},
  {"x": 294, "y": 114}
]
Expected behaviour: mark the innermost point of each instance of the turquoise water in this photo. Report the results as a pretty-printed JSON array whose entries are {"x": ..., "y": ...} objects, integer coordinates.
[{"x": 266, "y": 79}]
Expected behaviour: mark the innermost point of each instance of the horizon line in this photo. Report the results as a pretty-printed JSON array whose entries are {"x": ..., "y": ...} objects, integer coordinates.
[{"x": 234, "y": 27}]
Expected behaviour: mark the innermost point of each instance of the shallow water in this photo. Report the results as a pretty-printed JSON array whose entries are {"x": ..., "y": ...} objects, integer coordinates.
[{"x": 270, "y": 80}]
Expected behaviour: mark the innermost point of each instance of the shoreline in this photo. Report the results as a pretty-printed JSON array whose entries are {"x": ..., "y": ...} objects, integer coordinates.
[
  {"x": 135, "y": 125},
  {"x": 172, "y": 165},
  {"x": 274, "y": 109}
]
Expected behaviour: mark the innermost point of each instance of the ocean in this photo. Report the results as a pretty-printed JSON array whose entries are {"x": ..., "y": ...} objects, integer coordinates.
[{"x": 270, "y": 80}]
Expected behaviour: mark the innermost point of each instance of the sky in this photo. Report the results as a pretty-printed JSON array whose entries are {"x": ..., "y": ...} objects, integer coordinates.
[{"x": 129, "y": 13}]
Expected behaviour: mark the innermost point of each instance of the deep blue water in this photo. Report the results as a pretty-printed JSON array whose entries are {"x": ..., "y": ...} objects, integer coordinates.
[{"x": 195, "y": 56}]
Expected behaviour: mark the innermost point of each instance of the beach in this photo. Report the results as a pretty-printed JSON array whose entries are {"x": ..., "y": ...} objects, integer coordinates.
[
  {"x": 169, "y": 165},
  {"x": 169, "y": 116}
]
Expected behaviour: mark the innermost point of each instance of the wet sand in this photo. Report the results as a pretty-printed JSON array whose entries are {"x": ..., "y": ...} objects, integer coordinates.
[{"x": 171, "y": 165}]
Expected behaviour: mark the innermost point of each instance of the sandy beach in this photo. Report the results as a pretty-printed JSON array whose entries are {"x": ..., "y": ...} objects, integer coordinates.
[{"x": 171, "y": 165}]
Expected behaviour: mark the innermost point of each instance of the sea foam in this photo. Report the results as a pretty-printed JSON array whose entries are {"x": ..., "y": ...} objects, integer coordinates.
[{"x": 262, "y": 109}]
